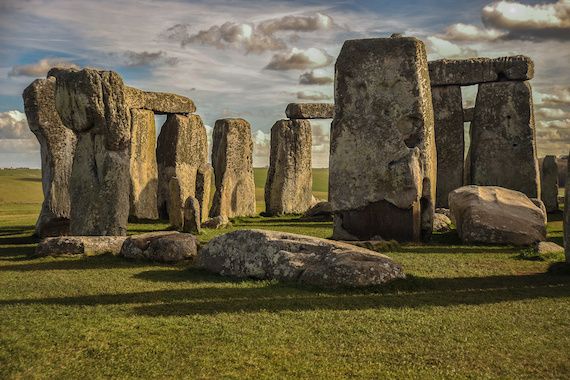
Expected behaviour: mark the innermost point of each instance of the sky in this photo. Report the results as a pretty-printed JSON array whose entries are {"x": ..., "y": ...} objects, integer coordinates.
[{"x": 249, "y": 59}]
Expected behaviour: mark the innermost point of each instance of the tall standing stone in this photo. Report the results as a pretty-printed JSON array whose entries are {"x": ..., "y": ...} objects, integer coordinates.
[
  {"x": 144, "y": 172},
  {"x": 57, "y": 147},
  {"x": 503, "y": 147},
  {"x": 288, "y": 188},
  {"x": 175, "y": 203},
  {"x": 232, "y": 159},
  {"x": 182, "y": 148},
  {"x": 383, "y": 158},
  {"x": 567, "y": 215},
  {"x": 449, "y": 140},
  {"x": 92, "y": 104},
  {"x": 549, "y": 183},
  {"x": 204, "y": 179}
]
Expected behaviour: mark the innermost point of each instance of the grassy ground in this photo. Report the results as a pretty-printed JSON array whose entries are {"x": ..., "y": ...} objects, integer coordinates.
[{"x": 463, "y": 312}]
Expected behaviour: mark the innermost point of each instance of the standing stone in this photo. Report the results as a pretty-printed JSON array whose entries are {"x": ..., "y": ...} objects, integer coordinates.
[
  {"x": 449, "y": 140},
  {"x": 144, "y": 172},
  {"x": 204, "y": 179},
  {"x": 192, "y": 216},
  {"x": 182, "y": 148},
  {"x": 92, "y": 104},
  {"x": 57, "y": 146},
  {"x": 383, "y": 158},
  {"x": 175, "y": 203},
  {"x": 232, "y": 152},
  {"x": 288, "y": 189},
  {"x": 549, "y": 183},
  {"x": 503, "y": 147},
  {"x": 567, "y": 215}
]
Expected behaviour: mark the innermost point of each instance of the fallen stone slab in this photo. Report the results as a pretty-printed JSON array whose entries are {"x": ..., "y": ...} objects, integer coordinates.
[
  {"x": 80, "y": 245},
  {"x": 466, "y": 72},
  {"x": 160, "y": 103},
  {"x": 310, "y": 110},
  {"x": 495, "y": 215},
  {"x": 296, "y": 258},
  {"x": 545, "y": 247},
  {"x": 216, "y": 223},
  {"x": 163, "y": 246}
]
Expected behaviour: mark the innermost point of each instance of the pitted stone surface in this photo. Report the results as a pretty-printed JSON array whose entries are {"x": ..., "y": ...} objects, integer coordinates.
[
  {"x": 57, "y": 147},
  {"x": 449, "y": 139},
  {"x": 296, "y": 258},
  {"x": 383, "y": 158},
  {"x": 159, "y": 102},
  {"x": 163, "y": 246},
  {"x": 465, "y": 72},
  {"x": 549, "y": 183},
  {"x": 310, "y": 110},
  {"x": 232, "y": 159},
  {"x": 80, "y": 245},
  {"x": 143, "y": 167},
  {"x": 175, "y": 203},
  {"x": 182, "y": 148},
  {"x": 204, "y": 179},
  {"x": 503, "y": 147},
  {"x": 288, "y": 188},
  {"x": 192, "y": 216}
]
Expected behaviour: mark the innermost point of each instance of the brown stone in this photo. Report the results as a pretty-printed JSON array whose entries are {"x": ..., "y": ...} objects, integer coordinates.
[
  {"x": 467, "y": 114},
  {"x": 162, "y": 246},
  {"x": 204, "y": 179},
  {"x": 549, "y": 183},
  {"x": 175, "y": 204},
  {"x": 310, "y": 110},
  {"x": 80, "y": 245},
  {"x": 567, "y": 215},
  {"x": 192, "y": 216},
  {"x": 159, "y": 102}
]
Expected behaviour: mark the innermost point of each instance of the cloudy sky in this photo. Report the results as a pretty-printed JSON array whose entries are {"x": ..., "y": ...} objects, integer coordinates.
[{"x": 250, "y": 58}]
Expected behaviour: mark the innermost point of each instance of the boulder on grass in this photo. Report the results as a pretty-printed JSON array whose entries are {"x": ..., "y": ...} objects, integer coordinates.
[
  {"x": 164, "y": 246},
  {"x": 80, "y": 245},
  {"x": 545, "y": 247},
  {"x": 495, "y": 215},
  {"x": 441, "y": 222},
  {"x": 296, "y": 258}
]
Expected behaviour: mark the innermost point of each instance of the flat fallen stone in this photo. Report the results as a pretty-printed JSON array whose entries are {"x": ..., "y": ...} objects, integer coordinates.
[
  {"x": 160, "y": 103},
  {"x": 465, "y": 72},
  {"x": 310, "y": 110},
  {"x": 163, "y": 246},
  {"x": 80, "y": 245},
  {"x": 296, "y": 258}
]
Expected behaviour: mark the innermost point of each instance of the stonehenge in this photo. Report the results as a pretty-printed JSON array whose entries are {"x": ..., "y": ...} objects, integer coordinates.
[
  {"x": 309, "y": 110},
  {"x": 549, "y": 183},
  {"x": 383, "y": 156},
  {"x": 232, "y": 159},
  {"x": 567, "y": 216}
]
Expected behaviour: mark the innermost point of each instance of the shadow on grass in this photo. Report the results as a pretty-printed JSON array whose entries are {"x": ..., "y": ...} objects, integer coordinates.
[
  {"x": 106, "y": 261},
  {"x": 30, "y": 179},
  {"x": 556, "y": 216}
]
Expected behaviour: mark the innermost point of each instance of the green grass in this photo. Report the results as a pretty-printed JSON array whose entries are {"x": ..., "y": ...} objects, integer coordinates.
[{"x": 463, "y": 312}]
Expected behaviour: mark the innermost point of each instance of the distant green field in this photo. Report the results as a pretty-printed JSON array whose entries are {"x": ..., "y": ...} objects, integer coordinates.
[{"x": 468, "y": 312}]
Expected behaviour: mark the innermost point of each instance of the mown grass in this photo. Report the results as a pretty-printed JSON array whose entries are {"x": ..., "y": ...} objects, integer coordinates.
[{"x": 463, "y": 312}]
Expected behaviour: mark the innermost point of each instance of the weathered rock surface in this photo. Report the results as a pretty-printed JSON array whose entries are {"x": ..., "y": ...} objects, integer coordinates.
[
  {"x": 495, "y": 215},
  {"x": 143, "y": 167},
  {"x": 217, "y": 222},
  {"x": 57, "y": 147},
  {"x": 441, "y": 223},
  {"x": 465, "y": 72},
  {"x": 540, "y": 204},
  {"x": 288, "y": 188},
  {"x": 232, "y": 159},
  {"x": 182, "y": 148},
  {"x": 467, "y": 114},
  {"x": 320, "y": 209},
  {"x": 192, "y": 219},
  {"x": 92, "y": 103},
  {"x": 175, "y": 204},
  {"x": 503, "y": 147},
  {"x": 449, "y": 140},
  {"x": 159, "y": 102},
  {"x": 549, "y": 183},
  {"x": 383, "y": 158},
  {"x": 80, "y": 245},
  {"x": 310, "y": 110},
  {"x": 296, "y": 258},
  {"x": 567, "y": 215},
  {"x": 545, "y": 247},
  {"x": 204, "y": 179},
  {"x": 169, "y": 246}
]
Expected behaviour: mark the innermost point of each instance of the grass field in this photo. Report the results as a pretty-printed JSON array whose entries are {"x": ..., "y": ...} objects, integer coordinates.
[{"x": 463, "y": 312}]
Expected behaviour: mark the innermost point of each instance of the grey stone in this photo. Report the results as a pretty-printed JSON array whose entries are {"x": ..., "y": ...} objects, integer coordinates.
[
  {"x": 540, "y": 204},
  {"x": 465, "y": 72},
  {"x": 169, "y": 247},
  {"x": 217, "y": 222},
  {"x": 57, "y": 147},
  {"x": 467, "y": 114},
  {"x": 296, "y": 258},
  {"x": 449, "y": 140},
  {"x": 495, "y": 215},
  {"x": 321, "y": 209},
  {"x": 175, "y": 203},
  {"x": 310, "y": 110},
  {"x": 545, "y": 247},
  {"x": 143, "y": 167},
  {"x": 159, "y": 102},
  {"x": 288, "y": 188},
  {"x": 232, "y": 159},
  {"x": 204, "y": 179},
  {"x": 80, "y": 245},
  {"x": 444, "y": 211},
  {"x": 182, "y": 148},
  {"x": 549, "y": 183},
  {"x": 441, "y": 223},
  {"x": 503, "y": 147},
  {"x": 383, "y": 157},
  {"x": 192, "y": 219}
]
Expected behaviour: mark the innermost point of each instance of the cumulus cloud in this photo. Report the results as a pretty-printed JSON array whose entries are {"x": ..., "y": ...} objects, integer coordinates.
[
  {"x": 315, "y": 77},
  {"x": 299, "y": 59},
  {"x": 296, "y": 24},
  {"x": 553, "y": 137},
  {"x": 558, "y": 97},
  {"x": 551, "y": 114},
  {"x": 15, "y": 136},
  {"x": 312, "y": 95},
  {"x": 470, "y": 33},
  {"x": 444, "y": 48},
  {"x": 261, "y": 148},
  {"x": 147, "y": 58},
  {"x": 40, "y": 68}
]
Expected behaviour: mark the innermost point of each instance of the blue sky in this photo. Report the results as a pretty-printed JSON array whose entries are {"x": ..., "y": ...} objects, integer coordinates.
[{"x": 251, "y": 58}]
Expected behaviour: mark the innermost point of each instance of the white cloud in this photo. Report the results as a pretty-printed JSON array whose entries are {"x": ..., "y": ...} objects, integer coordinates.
[
  {"x": 299, "y": 59},
  {"x": 316, "y": 77},
  {"x": 313, "y": 95},
  {"x": 551, "y": 114},
  {"x": 15, "y": 136},
  {"x": 261, "y": 148},
  {"x": 445, "y": 49},
  {"x": 558, "y": 96},
  {"x": 471, "y": 33},
  {"x": 40, "y": 68},
  {"x": 147, "y": 58}
]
